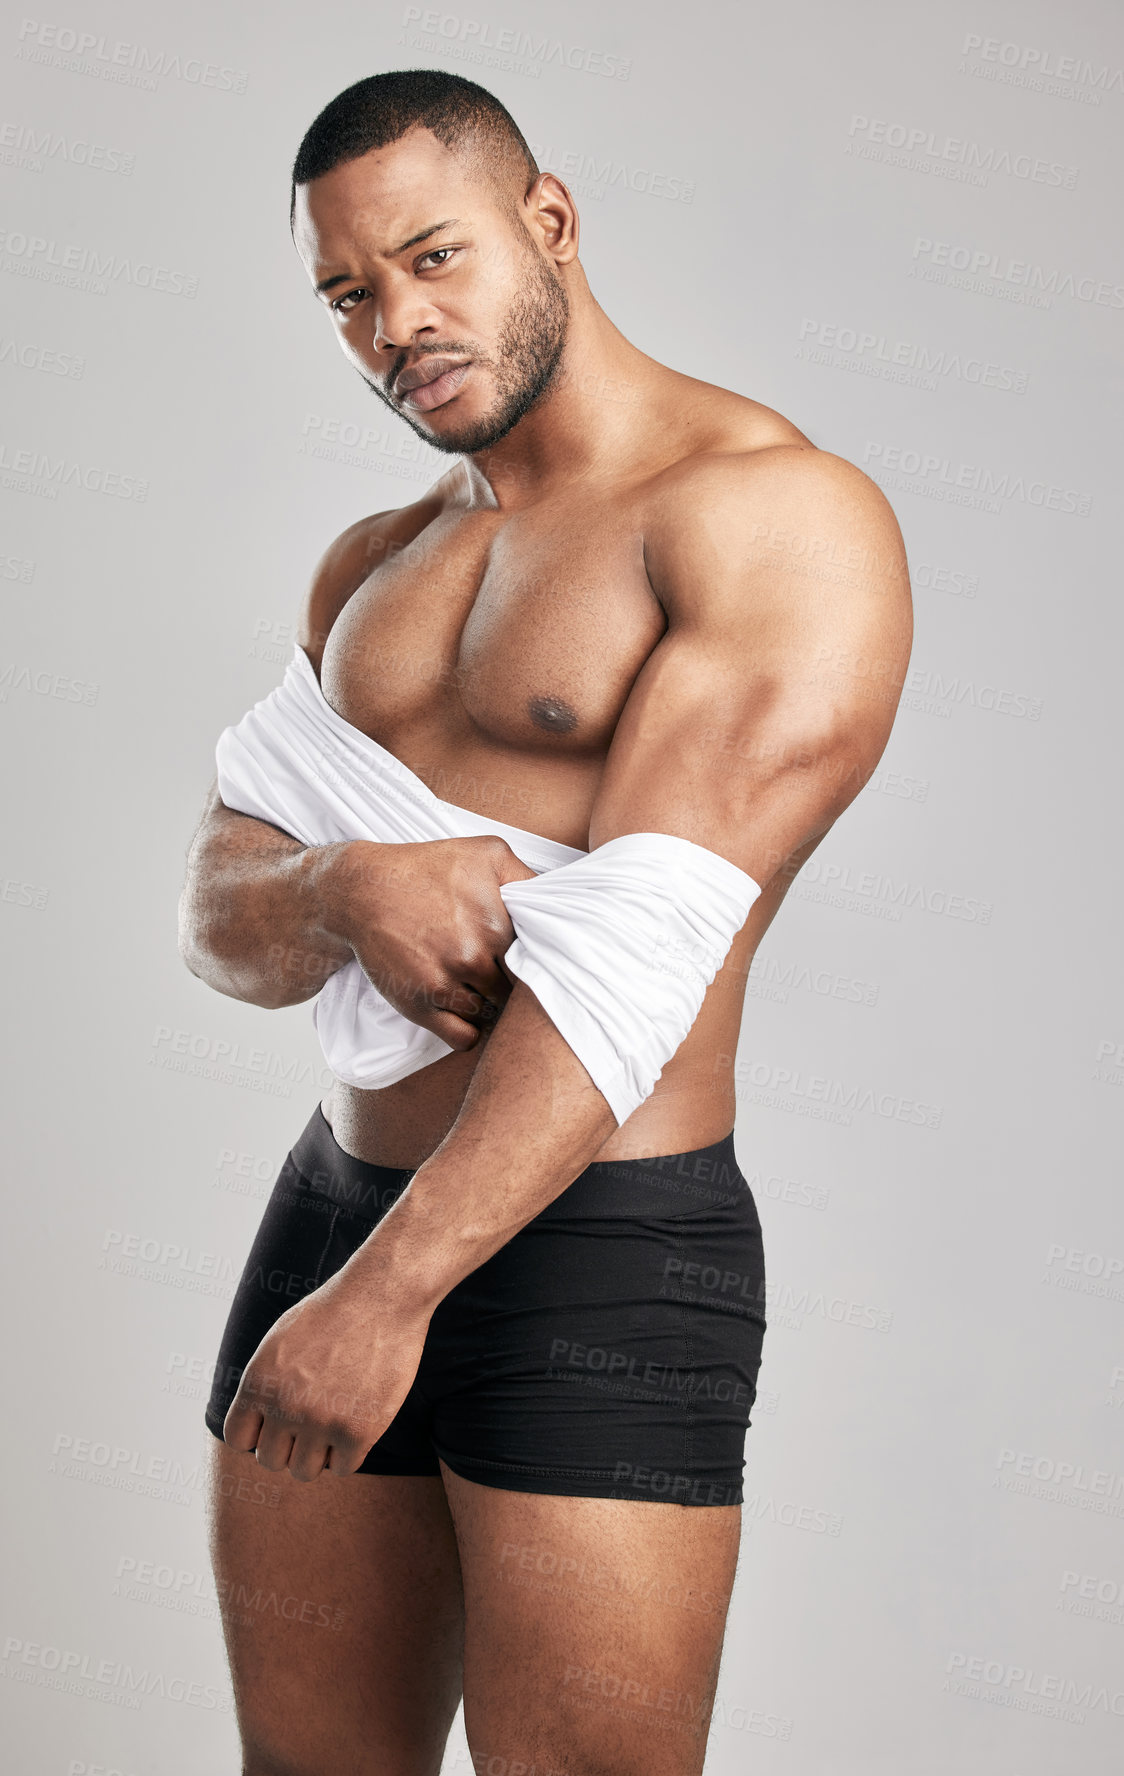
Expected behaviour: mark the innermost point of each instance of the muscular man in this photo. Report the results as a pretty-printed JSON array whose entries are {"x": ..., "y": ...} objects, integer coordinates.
[{"x": 497, "y": 1339}]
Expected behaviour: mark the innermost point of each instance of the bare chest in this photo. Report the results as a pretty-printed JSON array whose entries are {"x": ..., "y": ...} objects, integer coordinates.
[{"x": 494, "y": 658}]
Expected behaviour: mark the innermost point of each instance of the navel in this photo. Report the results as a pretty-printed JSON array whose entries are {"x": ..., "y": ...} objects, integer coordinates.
[{"x": 552, "y": 714}]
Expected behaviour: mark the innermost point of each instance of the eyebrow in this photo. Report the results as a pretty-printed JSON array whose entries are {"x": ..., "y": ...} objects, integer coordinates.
[{"x": 435, "y": 228}]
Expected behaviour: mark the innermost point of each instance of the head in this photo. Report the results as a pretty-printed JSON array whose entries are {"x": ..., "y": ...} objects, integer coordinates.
[{"x": 431, "y": 238}]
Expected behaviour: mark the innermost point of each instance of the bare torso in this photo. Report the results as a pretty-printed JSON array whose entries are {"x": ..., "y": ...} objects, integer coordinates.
[{"x": 493, "y": 651}]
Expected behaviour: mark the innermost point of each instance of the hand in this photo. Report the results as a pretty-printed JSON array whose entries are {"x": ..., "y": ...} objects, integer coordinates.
[
  {"x": 429, "y": 928},
  {"x": 325, "y": 1381}
]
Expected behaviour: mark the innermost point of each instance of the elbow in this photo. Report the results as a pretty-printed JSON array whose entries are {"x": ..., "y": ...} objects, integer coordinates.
[
  {"x": 223, "y": 967},
  {"x": 203, "y": 952},
  {"x": 204, "y": 962},
  {"x": 187, "y": 938},
  {"x": 198, "y": 937}
]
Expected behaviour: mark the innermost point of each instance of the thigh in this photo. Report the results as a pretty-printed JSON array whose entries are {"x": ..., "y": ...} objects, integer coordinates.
[
  {"x": 343, "y": 1616},
  {"x": 594, "y": 1629}
]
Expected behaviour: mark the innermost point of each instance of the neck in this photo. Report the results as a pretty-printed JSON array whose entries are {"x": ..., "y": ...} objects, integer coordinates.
[{"x": 591, "y": 416}]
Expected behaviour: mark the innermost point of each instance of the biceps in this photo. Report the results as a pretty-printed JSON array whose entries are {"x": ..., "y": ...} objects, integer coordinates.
[{"x": 749, "y": 756}]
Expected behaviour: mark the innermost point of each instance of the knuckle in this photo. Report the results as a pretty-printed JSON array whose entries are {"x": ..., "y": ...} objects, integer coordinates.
[
  {"x": 252, "y": 1390},
  {"x": 457, "y": 950}
]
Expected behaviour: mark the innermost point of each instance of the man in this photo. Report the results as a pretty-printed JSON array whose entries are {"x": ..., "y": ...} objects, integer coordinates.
[{"x": 507, "y": 1321}]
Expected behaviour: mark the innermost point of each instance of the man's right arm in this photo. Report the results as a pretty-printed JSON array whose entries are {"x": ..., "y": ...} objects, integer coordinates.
[
  {"x": 254, "y": 901},
  {"x": 267, "y": 919},
  {"x": 257, "y": 915},
  {"x": 252, "y": 916}
]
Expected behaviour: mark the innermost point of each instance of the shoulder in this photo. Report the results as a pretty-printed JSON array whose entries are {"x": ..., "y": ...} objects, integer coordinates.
[
  {"x": 761, "y": 473},
  {"x": 769, "y": 501},
  {"x": 352, "y": 557}
]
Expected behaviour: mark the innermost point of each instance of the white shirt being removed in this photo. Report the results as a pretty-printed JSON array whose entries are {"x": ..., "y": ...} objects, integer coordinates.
[{"x": 618, "y": 944}]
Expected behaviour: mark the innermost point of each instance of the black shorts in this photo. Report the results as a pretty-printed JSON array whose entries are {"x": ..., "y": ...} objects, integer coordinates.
[{"x": 609, "y": 1350}]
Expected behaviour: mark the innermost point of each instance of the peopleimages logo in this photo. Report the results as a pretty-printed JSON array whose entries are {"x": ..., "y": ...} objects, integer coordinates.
[
  {"x": 1022, "y": 1688},
  {"x": 877, "y": 355},
  {"x": 1093, "y": 1587},
  {"x": 46, "y": 683},
  {"x": 825, "y": 1098},
  {"x": 1032, "y": 1475},
  {"x": 926, "y": 151},
  {"x": 893, "y": 892},
  {"x": 986, "y": 267},
  {"x": 602, "y": 173},
  {"x": 1097, "y": 1482},
  {"x": 49, "y": 261},
  {"x": 1039, "y": 70},
  {"x": 126, "y": 64},
  {"x": 23, "y": 145},
  {"x": 24, "y": 469},
  {"x": 938, "y": 477},
  {"x": 123, "y": 1469},
  {"x": 79, "y": 1673},
  {"x": 478, "y": 35},
  {"x": 40, "y": 357},
  {"x": 166, "y": 1261}
]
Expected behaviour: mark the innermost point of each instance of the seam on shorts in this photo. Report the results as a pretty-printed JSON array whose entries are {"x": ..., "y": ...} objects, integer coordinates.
[
  {"x": 334, "y": 1217},
  {"x": 601, "y": 1475},
  {"x": 302, "y": 1182},
  {"x": 688, "y": 1425},
  {"x": 475, "y": 1461}
]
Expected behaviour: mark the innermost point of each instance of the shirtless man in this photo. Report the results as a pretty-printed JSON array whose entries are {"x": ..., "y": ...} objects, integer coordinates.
[{"x": 637, "y": 603}]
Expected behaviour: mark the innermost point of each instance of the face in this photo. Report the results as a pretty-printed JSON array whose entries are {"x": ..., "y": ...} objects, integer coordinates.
[{"x": 446, "y": 306}]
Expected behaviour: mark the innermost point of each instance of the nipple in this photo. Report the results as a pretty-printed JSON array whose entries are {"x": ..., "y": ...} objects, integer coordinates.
[{"x": 552, "y": 714}]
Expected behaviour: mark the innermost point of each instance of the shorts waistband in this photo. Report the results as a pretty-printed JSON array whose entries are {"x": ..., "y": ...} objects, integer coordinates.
[{"x": 669, "y": 1184}]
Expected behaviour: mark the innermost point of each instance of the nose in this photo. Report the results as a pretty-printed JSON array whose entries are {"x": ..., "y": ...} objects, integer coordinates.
[{"x": 401, "y": 319}]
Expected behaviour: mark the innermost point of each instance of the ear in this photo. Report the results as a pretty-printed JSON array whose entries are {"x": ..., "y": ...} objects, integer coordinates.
[{"x": 551, "y": 212}]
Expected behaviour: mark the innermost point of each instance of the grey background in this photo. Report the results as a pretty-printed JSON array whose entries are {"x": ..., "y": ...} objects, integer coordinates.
[{"x": 932, "y": 1576}]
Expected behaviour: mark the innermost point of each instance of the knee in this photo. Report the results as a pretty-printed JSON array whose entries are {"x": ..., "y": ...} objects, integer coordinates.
[
  {"x": 555, "y": 1759},
  {"x": 260, "y": 1760},
  {"x": 263, "y": 1755}
]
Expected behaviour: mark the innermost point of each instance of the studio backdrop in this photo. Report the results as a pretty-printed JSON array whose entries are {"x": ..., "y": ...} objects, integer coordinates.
[{"x": 894, "y": 224}]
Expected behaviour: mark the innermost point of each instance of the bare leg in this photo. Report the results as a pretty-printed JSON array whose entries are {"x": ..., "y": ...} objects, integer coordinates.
[
  {"x": 594, "y": 1629},
  {"x": 343, "y": 1616}
]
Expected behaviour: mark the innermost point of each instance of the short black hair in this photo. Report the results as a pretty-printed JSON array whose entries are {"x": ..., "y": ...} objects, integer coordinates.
[{"x": 381, "y": 108}]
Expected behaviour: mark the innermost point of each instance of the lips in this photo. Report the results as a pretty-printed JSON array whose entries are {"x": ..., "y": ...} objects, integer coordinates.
[{"x": 430, "y": 383}]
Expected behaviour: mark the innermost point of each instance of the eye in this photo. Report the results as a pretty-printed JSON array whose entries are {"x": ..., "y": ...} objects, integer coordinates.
[
  {"x": 434, "y": 255},
  {"x": 337, "y": 303}
]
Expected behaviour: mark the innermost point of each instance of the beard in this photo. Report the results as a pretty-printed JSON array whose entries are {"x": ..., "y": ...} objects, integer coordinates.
[{"x": 528, "y": 354}]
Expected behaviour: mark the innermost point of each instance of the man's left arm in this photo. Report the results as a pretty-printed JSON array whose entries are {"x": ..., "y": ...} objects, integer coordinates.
[{"x": 756, "y": 719}]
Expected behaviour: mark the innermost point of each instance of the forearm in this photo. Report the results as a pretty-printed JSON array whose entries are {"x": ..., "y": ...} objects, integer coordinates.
[
  {"x": 256, "y": 913},
  {"x": 531, "y": 1121}
]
